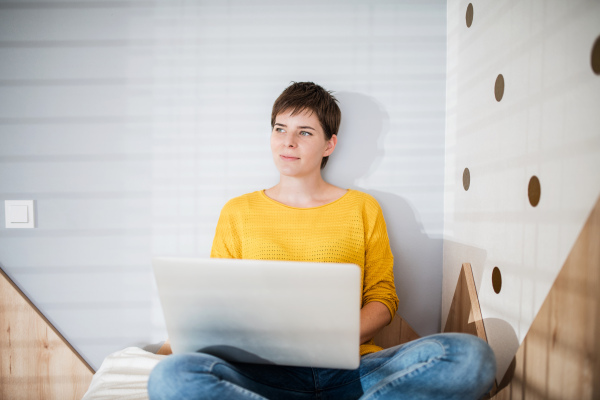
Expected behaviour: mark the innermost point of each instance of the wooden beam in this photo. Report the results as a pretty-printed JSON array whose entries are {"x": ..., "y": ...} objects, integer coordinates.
[{"x": 465, "y": 314}]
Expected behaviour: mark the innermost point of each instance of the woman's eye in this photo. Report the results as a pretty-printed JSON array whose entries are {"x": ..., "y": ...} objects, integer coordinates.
[
  {"x": 305, "y": 133},
  {"x": 279, "y": 130}
]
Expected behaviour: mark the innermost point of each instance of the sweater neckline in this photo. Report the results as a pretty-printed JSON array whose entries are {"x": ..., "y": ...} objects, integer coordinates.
[{"x": 264, "y": 195}]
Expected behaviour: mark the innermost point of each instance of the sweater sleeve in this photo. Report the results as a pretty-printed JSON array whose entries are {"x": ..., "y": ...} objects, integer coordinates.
[
  {"x": 227, "y": 242},
  {"x": 378, "y": 284}
]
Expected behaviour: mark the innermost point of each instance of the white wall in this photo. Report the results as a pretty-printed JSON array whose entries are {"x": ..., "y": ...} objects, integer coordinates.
[
  {"x": 545, "y": 125},
  {"x": 132, "y": 123},
  {"x": 74, "y": 136}
]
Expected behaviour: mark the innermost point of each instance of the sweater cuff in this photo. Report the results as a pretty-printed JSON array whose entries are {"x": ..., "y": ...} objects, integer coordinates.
[{"x": 391, "y": 307}]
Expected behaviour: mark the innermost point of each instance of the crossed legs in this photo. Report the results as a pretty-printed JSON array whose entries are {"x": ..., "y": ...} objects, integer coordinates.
[{"x": 444, "y": 366}]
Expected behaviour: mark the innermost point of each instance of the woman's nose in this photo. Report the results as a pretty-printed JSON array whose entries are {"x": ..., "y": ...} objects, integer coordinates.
[{"x": 290, "y": 141}]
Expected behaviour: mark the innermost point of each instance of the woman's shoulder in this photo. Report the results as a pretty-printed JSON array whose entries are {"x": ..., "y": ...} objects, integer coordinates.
[
  {"x": 364, "y": 199},
  {"x": 243, "y": 202}
]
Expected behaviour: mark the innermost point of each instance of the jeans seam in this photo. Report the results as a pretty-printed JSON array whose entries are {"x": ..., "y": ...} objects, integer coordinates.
[
  {"x": 316, "y": 379},
  {"x": 391, "y": 360},
  {"x": 210, "y": 371},
  {"x": 386, "y": 387},
  {"x": 242, "y": 390}
]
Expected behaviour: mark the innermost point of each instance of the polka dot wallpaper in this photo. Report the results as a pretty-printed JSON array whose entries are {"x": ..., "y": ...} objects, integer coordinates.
[
  {"x": 522, "y": 152},
  {"x": 469, "y": 16}
]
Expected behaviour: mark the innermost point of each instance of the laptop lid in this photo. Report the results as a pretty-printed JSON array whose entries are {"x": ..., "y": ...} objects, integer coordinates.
[{"x": 264, "y": 312}]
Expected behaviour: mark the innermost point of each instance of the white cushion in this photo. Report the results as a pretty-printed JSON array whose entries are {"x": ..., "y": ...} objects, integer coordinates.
[{"x": 123, "y": 375}]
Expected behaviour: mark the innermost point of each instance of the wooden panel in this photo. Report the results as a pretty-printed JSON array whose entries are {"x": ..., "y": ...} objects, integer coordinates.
[
  {"x": 465, "y": 314},
  {"x": 36, "y": 361},
  {"x": 559, "y": 358},
  {"x": 165, "y": 349},
  {"x": 397, "y": 332}
]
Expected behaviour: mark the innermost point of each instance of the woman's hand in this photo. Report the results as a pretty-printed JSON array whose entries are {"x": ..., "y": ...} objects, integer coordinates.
[{"x": 373, "y": 317}]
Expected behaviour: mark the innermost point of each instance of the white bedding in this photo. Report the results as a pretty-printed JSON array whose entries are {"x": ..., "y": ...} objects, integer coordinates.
[{"x": 123, "y": 375}]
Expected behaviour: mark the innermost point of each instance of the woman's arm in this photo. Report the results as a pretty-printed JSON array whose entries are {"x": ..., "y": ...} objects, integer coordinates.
[
  {"x": 373, "y": 317},
  {"x": 379, "y": 291}
]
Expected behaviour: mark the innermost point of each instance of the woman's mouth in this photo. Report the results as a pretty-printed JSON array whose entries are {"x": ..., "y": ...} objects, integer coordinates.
[{"x": 288, "y": 158}]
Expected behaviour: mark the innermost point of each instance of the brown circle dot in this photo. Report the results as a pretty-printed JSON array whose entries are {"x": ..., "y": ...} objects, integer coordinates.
[
  {"x": 499, "y": 87},
  {"x": 596, "y": 56},
  {"x": 534, "y": 191},
  {"x": 469, "y": 16},
  {"x": 466, "y": 179},
  {"x": 496, "y": 279}
]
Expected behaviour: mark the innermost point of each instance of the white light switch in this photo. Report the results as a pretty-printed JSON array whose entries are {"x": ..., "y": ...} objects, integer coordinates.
[{"x": 19, "y": 213}]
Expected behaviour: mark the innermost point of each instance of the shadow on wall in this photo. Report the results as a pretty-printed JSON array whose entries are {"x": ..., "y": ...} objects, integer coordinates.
[
  {"x": 417, "y": 258},
  {"x": 501, "y": 335}
]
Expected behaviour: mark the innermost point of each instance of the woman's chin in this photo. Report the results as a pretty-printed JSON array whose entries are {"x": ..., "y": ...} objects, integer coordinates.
[
  {"x": 293, "y": 171},
  {"x": 289, "y": 174}
]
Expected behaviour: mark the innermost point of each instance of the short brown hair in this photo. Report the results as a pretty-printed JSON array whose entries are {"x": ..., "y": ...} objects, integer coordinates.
[{"x": 302, "y": 96}]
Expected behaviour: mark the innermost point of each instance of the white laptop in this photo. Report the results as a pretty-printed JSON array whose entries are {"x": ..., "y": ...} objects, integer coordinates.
[{"x": 264, "y": 312}]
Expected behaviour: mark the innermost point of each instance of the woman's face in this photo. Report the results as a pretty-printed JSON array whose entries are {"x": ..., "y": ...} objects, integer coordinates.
[{"x": 298, "y": 143}]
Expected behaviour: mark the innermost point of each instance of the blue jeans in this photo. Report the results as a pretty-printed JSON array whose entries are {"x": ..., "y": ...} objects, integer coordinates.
[{"x": 444, "y": 366}]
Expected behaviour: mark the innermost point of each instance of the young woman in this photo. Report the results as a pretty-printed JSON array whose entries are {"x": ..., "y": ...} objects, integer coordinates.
[{"x": 304, "y": 218}]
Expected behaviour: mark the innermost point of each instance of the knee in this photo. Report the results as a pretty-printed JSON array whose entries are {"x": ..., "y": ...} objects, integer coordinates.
[
  {"x": 167, "y": 368},
  {"x": 163, "y": 376},
  {"x": 167, "y": 377},
  {"x": 477, "y": 353},
  {"x": 473, "y": 357}
]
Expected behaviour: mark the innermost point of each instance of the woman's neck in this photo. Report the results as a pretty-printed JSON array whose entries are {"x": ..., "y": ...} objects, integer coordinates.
[{"x": 303, "y": 192}]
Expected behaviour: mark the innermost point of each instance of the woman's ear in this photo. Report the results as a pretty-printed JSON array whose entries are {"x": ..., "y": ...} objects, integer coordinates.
[{"x": 331, "y": 143}]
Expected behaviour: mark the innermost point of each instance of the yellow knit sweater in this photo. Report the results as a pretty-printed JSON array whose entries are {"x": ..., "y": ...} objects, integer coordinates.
[{"x": 348, "y": 230}]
